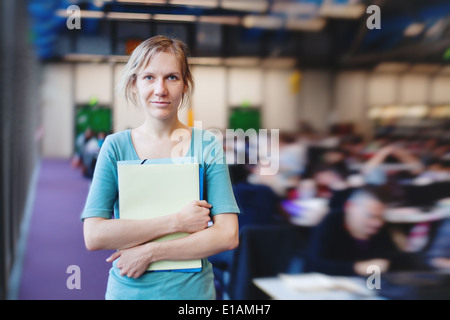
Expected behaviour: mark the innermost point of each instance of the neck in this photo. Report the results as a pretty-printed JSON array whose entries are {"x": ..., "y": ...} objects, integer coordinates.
[{"x": 161, "y": 128}]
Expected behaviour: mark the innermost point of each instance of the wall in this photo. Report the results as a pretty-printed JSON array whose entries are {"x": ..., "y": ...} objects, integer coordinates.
[
  {"x": 324, "y": 98},
  {"x": 58, "y": 113},
  {"x": 315, "y": 99},
  {"x": 216, "y": 89}
]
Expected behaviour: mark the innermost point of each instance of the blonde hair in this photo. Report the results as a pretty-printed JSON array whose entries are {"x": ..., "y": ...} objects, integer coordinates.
[{"x": 142, "y": 55}]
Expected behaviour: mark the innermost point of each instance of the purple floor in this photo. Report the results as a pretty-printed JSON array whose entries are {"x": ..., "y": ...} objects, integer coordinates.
[{"x": 55, "y": 239}]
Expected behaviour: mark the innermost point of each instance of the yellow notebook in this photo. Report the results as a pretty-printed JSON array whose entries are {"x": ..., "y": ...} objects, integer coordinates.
[{"x": 150, "y": 190}]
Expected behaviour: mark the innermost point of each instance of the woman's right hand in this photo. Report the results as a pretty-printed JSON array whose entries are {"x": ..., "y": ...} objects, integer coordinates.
[{"x": 194, "y": 216}]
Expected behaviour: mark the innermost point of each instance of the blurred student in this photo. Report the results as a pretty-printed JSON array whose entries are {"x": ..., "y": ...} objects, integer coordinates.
[
  {"x": 157, "y": 79},
  {"x": 258, "y": 203},
  {"x": 333, "y": 178},
  {"x": 373, "y": 171},
  {"x": 438, "y": 254},
  {"x": 81, "y": 141},
  {"x": 348, "y": 242}
]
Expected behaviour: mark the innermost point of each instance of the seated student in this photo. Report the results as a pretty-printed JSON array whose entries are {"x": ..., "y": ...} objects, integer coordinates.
[
  {"x": 347, "y": 242},
  {"x": 438, "y": 254},
  {"x": 333, "y": 177},
  {"x": 258, "y": 203}
]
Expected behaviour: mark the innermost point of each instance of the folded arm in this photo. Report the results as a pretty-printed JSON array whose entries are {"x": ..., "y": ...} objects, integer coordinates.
[
  {"x": 106, "y": 234},
  {"x": 222, "y": 236}
]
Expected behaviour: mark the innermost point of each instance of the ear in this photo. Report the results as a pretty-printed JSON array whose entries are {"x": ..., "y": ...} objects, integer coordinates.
[{"x": 134, "y": 88}]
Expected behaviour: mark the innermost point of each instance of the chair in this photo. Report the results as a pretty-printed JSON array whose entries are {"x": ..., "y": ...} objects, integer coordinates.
[{"x": 265, "y": 251}]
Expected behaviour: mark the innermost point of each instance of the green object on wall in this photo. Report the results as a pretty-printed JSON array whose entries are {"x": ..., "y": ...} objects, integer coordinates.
[
  {"x": 245, "y": 118},
  {"x": 447, "y": 54},
  {"x": 96, "y": 118}
]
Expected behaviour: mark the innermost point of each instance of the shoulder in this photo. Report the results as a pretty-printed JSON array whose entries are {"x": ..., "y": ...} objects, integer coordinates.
[
  {"x": 118, "y": 137},
  {"x": 117, "y": 145},
  {"x": 332, "y": 223}
]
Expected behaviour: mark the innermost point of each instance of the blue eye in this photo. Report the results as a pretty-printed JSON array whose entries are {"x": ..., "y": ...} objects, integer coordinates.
[
  {"x": 148, "y": 77},
  {"x": 172, "y": 77}
]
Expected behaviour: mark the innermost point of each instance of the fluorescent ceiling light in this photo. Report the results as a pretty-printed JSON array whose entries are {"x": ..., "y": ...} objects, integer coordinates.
[
  {"x": 417, "y": 111},
  {"x": 414, "y": 29},
  {"x": 314, "y": 24},
  {"x": 440, "y": 111},
  {"x": 175, "y": 17},
  {"x": 229, "y": 20},
  {"x": 375, "y": 112},
  {"x": 344, "y": 11},
  {"x": 128, "y": 16},
  {"x": 144, "y": 1},
  {"x": 196, "y": 3},
  {"x": 83, "y": 14},
  {"x": 267, "y": 22},
  {"x": 393, "y": 111},
  {"x": 295, "y": 8},
  {"x": 245, "y": 5}
]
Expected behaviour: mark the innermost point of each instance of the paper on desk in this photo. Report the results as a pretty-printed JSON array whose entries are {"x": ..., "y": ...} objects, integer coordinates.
[{"x": 321, "y": 282}]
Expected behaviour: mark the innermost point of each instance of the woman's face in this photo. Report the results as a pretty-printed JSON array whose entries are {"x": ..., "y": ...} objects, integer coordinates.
[{"x": 160, "y": 86}]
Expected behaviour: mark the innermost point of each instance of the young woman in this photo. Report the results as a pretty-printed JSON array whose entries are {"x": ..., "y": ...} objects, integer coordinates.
[{"x": 158, "y": 80}]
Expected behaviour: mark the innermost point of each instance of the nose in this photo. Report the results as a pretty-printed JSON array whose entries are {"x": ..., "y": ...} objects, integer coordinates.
[{"x": 160, "y": 88}]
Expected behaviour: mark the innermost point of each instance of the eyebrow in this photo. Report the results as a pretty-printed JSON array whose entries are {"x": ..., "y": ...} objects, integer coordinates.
[{"x": 167, "y": 74}]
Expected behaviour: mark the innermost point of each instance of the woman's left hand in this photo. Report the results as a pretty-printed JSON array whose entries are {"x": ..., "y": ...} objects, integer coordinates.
[{"x": 133, "y": 262}]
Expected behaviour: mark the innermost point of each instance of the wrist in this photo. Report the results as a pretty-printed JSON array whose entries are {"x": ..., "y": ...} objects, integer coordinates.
[
  {"x": 175, "y": 223},
  {"x": 154, "y": 252}
]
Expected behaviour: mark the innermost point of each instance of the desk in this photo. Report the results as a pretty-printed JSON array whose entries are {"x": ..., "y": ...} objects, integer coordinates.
[
  {"x": 412, "y": 228},
  {"x": 388, "y": 166},
  {"x": 405, "y": 285},
  {"x": 283, "y": 287}
]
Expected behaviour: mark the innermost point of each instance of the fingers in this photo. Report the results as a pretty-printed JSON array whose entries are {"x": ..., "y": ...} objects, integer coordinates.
[
  {"x": 203, "y": 203},
  {"x": 124, "y": 269},
  {"x": 114, "y": 256}
]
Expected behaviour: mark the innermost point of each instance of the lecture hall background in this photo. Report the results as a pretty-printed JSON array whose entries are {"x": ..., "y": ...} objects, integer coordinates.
[{"x": 321, "y": 68}]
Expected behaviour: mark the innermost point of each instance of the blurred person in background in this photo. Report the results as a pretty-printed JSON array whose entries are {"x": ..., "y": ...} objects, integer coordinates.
[
  {"x": 438, "y": 253},
  {"x": 86, "y": 151},
  {"x": 331, "y": 179},
  {"x": 347, "y": 242},
  {"x": 90, "y": 152}
]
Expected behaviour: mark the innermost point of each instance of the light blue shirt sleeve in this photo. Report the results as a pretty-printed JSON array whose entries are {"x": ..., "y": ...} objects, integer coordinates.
[{"x": 218, "y": 190}]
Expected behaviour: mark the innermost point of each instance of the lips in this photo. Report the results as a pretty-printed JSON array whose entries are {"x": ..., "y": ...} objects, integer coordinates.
[{"x": 160, "y": 102}]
